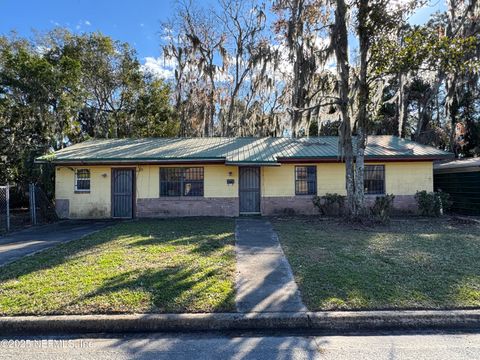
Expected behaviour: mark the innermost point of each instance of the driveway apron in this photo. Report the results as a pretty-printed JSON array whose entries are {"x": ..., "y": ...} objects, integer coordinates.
[
  {"x": 264, "y": 279},
  {"x": 37, "y": 238}
]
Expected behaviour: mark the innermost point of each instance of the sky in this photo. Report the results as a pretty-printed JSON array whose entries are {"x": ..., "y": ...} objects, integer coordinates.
[{"x": 135, "y": 21}]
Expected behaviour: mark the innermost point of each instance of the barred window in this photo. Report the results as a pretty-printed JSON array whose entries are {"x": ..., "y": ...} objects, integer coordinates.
[
  {"x": 305, "y": 180},
  {"x": 374, "y": 179},
  {"x": 82, "y": 180},
  {"x": 181, "y": 181}
]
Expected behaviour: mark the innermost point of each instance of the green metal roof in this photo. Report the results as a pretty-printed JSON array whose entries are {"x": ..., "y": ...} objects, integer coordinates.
[{"x": 242, "y": 150}]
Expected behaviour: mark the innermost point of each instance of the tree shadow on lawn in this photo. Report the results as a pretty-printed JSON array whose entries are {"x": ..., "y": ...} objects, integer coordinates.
[
  {"x": 204, "y": 245},
  {"x": 175, "y": 289},
  {"x": 412, "y": 267},
  {"x": 171, "y": 231},
  {"x": 59, "y": 254}
]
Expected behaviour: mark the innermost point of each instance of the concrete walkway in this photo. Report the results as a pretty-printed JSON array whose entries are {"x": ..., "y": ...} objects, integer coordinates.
[
  {"x": 264, "y": 279},
  {"x": 36, "y": 238}
]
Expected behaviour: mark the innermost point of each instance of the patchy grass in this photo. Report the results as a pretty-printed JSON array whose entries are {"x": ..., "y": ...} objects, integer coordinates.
[
  {"x": 181, "y": 265},
  {"x": 409, "y": 264}
]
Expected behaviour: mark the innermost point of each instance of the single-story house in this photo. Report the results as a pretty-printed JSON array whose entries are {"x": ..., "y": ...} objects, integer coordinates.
[
  {"x": 162, "y": 177},
  {"x": 460, "y": 179}
]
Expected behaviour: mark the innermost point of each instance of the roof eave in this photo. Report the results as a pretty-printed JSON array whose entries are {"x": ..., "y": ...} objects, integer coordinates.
[
  {"x": 408, "y": 157},
  {"x": 253, "y": 163},
  {"x": 131, "y": 161},
  {"x": 394, "y": 158}
]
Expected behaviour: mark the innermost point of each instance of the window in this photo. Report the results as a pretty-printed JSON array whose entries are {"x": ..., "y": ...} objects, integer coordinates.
[
  {"x": 82, "y": 180},
  {"x": 305, "y": 180},
  {"x": 181, "y": 181},
  {"x": 374, "y": 179}
]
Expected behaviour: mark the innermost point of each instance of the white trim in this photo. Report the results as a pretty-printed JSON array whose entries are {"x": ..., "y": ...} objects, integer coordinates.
[{"x": 76, "y": 189}]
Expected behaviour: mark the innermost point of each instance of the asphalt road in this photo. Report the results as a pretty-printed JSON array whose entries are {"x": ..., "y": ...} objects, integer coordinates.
[{"x": 215, "y": 346}]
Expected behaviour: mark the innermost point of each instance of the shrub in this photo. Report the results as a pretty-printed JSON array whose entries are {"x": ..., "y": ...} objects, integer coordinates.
[
  {"x": 330, "y": 204},
  {"x": 382, "y": 208},
  {"x": 432, "y": 203}
]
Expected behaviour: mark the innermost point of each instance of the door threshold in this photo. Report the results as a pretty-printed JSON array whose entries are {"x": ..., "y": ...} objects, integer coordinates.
[{"x": 250, "y": 214}]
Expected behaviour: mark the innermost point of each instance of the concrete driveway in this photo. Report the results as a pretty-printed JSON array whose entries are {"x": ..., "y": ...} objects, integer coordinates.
[{"x": 36, "y": 238}]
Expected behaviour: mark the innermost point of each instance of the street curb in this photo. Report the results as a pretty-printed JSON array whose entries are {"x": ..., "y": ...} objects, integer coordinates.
[{"x": 341, "y": 321}]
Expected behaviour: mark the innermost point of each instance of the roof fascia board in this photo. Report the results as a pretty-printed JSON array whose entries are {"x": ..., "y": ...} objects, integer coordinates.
[
  {"x": 132, "y": 162},
  {"x": 367, "y": 159},
  {"x": 451, "y": 170},
  {"x": 252, "y": 163}
]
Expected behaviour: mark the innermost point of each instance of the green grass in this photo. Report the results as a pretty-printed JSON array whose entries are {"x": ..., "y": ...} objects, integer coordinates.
[
  {"x": 409, "y": 264},
  {"x": 181, "y": 265}
]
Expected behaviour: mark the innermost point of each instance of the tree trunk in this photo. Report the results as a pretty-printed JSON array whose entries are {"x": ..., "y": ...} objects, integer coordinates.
[
  {"x": 362, "y": 115},
  {"x": 298, "y": 95},
  {"x": 451, "y": 101},
  {"x": 340, "y": 37},
  {"x": 359, "y": 207},
  {"x": 402, "y": 104},
  {"x": 209, "y": 128}
]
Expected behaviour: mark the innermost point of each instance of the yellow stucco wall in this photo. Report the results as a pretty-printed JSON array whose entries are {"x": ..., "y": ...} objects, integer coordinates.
[
  {"x": 331, "y": 179},
  {"x": 215, "y": 180},
  {"x": 148, "y": 182},
  {"x": 406, "y": 178},
  {"x": 92, "y": 205},
  {"x": 280, "y": 180},
  {"x": 403, "y": 178},
  {"x": 97, "y": 203}
]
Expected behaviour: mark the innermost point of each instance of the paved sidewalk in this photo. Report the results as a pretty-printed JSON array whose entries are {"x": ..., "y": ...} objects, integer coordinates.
[
  {"x": 264, "y": 278},
  {"x": 36, "y": 238}
]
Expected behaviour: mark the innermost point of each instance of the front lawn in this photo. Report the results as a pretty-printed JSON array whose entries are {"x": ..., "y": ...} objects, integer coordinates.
[
  {"x": 410, "y": 264},
  {"x": 181, "y": 265}
]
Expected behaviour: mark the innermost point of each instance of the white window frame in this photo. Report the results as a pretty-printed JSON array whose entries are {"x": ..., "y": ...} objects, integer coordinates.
[{"x": 89, "y": 181}]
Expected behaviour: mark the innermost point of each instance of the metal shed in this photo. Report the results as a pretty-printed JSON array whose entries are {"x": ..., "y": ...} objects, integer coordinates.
[{"x": 460, "y": 179}]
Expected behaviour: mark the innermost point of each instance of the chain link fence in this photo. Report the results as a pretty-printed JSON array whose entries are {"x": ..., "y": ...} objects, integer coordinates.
[
  {"x": 42, "y": 209},
  {"x": 20, "y": 207},
  {"x": 4, "y": 209}
]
